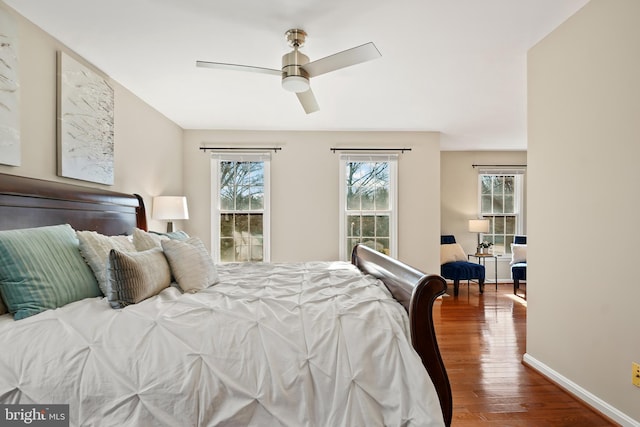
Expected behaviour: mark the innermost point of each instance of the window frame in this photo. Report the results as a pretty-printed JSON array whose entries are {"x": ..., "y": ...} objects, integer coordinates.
[
  {"x": 392, "y": 159},
  {"x": 518, "y": 204},
  {"x": 216, "y": 210}
]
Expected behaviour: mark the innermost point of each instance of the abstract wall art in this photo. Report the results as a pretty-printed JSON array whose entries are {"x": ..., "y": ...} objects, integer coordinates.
[
  {"x": 9, "y": 92},
  {"x": 85, "y": 123}
]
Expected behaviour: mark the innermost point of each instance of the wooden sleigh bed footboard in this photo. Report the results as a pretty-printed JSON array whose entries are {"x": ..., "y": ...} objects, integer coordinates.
[
  {"x": 417, "y": 293},
  {"x": 28, "y": 202}
]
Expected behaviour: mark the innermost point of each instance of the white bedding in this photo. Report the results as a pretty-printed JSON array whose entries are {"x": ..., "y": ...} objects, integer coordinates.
[{"x": 312, "y": 344}]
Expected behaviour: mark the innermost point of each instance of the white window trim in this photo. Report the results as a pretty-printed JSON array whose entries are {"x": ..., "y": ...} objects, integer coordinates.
[
  {"x": 215, "y": 200},
  {"x": 393, "y": 198},
  {"x": 519, "y": 173}
]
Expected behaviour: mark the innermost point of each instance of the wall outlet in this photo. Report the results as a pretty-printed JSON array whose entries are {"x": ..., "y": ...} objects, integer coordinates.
[{"x": 635, "y": 374}]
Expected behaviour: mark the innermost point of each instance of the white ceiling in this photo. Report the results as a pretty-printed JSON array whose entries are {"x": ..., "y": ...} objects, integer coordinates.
[{"x": 454, "y": 66}]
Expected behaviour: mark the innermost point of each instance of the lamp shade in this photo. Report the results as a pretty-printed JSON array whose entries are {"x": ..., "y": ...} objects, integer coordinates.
[
  {"x": 170, "y": 208},
  {"x": 479, "y": 225}
]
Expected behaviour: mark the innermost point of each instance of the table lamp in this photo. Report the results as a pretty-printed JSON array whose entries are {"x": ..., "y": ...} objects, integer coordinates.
[
  {"x": 479, "y": 226},
  {"x": 170, "y": 208}
]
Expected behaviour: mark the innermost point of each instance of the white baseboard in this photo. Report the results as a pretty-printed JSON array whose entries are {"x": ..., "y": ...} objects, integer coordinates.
[{"x": 590, "y": 399}]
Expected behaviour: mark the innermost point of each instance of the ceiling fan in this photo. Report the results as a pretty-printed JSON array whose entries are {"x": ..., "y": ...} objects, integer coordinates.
[{"x": 297, "y": 70}]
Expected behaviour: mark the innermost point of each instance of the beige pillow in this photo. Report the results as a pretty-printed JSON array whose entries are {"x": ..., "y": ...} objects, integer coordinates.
[
  {"x": 144, "y": 241},
  {"x": 135, "y": 276},
  {"x": 95, "y": 249},
  {"x": 451, "y": 252},
  {"x": 191, "y": 264},
  {"x": 518, "y": 253}
]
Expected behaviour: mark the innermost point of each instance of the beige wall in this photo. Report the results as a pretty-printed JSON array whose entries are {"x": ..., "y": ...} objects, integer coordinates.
[
  {"x": 304, "y": 182},
  {"x": 584, "y": 146},
  {"x": 148, "y": 151},
  {"x": 459, "y": 197}
]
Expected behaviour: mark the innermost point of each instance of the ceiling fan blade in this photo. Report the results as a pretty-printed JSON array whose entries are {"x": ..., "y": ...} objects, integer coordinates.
[
  {"x": 236, "y": 67},
  {"x": 346, "y": 58},
  {"x": 308, "y": 101}
]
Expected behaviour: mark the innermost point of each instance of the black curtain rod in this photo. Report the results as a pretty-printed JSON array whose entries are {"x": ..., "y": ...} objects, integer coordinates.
[
  {"x": 402, "y": 150},
  {"x": 501, "y": 166},
  {"x": 274, "y": 149}
]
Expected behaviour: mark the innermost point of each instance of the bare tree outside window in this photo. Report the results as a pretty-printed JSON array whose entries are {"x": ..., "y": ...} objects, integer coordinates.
[
  {"x": 498, "y": 203},
  {"x": 241, "y": 211},
  {"x": 368, "y": 205}
]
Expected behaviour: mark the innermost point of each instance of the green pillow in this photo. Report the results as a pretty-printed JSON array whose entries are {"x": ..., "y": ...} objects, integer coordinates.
[{"x": 41, "y": 268}]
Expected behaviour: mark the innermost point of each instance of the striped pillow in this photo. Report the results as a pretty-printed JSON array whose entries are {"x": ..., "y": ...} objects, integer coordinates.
[
  {"x": 41, "y": 268},
  {"x": 190, "y": 264},
  {"x": 135, "y": 276}
]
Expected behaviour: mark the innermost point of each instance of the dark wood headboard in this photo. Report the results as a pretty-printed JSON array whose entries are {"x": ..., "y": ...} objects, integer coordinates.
[{"x": 30, "y": 202}]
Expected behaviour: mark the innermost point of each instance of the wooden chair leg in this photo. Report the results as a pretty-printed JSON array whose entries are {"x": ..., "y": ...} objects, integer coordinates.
[
  {"x": 516, "y": 286},
  {"x": 456, "y": 287},
  {"x": 481, "y": 285}
]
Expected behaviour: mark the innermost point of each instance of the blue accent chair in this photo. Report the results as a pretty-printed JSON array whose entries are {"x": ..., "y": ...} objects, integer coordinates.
[
  {"x": 519, "y": 270},
  {"x": 461, "y": 270}
]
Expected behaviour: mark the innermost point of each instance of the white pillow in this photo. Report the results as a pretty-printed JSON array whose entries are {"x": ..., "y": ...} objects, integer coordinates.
[
  {"x": 135, "y": 276},
  {"x": 518, "y": 253},
  {"x": 451, "y": 252},
  {"x": 190, "y": 263},
  {"x": 95, "y": 249}
]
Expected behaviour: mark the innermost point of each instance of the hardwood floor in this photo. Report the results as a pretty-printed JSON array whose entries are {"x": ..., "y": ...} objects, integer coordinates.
[{"x": 482, "y": 340}]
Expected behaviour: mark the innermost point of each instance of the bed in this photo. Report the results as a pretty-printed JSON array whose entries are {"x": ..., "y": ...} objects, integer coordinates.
[{"x": 315, "y": 343}]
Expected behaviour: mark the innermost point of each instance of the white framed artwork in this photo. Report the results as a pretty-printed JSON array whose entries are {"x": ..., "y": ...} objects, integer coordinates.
[
  {"x": 9, "y": 92},
  {"x": 85, "y": 123}
]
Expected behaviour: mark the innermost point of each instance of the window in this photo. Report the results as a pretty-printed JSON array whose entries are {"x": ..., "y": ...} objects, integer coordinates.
[
  {"x": 240, "y": 223},
  {"x": 501, "y": 203},
  {"x": 368, "y": 203}
]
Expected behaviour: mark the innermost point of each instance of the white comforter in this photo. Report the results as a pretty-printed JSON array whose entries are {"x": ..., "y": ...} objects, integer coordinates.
[{"x": 313, "y": 344}]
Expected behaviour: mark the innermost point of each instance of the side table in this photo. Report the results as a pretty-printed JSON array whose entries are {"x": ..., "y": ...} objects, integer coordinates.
[{"x": 482, "y": 259}]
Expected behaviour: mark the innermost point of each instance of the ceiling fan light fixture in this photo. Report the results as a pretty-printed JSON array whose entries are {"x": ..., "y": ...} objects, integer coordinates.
[
  {"x": 295, "y": 84},
  {"x": 297, "y": 70}
]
